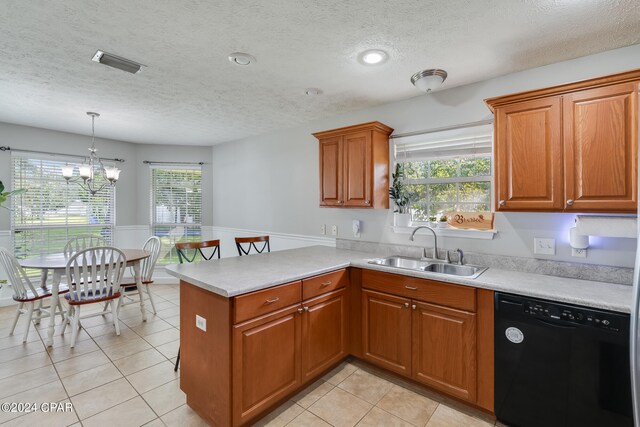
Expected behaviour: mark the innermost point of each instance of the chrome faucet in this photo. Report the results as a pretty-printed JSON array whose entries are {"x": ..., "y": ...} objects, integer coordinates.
[
  {"x": 460, "y": 256},
  {"x": 435, "y": 243}
]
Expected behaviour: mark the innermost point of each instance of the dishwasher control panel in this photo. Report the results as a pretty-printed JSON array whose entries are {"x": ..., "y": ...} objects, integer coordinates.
[{"x": 560, "y": 313}]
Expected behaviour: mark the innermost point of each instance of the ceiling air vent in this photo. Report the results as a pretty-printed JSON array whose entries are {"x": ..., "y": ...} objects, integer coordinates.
[{"x": 116, "y": 61}]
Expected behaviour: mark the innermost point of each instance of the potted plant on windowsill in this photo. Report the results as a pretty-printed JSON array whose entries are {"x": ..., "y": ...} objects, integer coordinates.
[
  {"x": 4, "y": 195},
  {"x": 402, "y": 197}
]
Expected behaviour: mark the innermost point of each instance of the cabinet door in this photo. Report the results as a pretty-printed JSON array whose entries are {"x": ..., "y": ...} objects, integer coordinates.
[
  {"x": 331, "y": 170},
  {"x": 529, "y": 156},
  {"x": 358, "y": 169},
  {"x": 266, "y": 362},
  {"x": 444, "y": 349},
  {"x": 386, "y": 331},
  {"x": 324, "y": 333},
  {"x": 601, "y": 149}
]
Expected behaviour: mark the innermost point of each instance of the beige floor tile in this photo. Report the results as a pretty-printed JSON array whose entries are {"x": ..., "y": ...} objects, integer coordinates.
[
  {"x": 101, "y": 398},
  {"x": 27, "y": 381},
  {"x": 366, "y": 386},
  {"x": 100, "y": 330},
  {"x": 155, "y": 423},
  {"x": 340, "y": 409},
  {"x": 125, "y": 349},
  {"x": 445, "y": 416},
  {"x": 307, "y": 419},
  {"x": 160, "y": 305},
  {"x": 139, "y": 361},
  {"x": 78, "y": 364},
  {"x": 16, "y": 339},
  {"x": 54, "y": 417},
  {"x": 91, "y": 378},
  {"x": 165, "y": 398},
  {"x": 24, "y": 364},
  {"x": 64, "y": 340},
  {"x": 339, "y": 373},
  {"x": 134, "y": 412},
  {"x": 153, "y": 377},
  {"x": 61, "y": 353},
  {"x": 108, "y": 340},
  {"x": 163, "y": 337},
  {"x": 312, "y": 393},
  {"x": 51, "y": 392},
  {"x": 408, "y": 405},
  {"x": 21, "y": 350},
  {"x": 174, "y": 321},
  {"x": 281, "y": 416},
  {"x": 169, "y": 312},
  {"x": 378, "y": 418},
  {"x": 183, "y": 417},
  {"x": 151, "y": 327},
  {"x": 169, "y": 350}
]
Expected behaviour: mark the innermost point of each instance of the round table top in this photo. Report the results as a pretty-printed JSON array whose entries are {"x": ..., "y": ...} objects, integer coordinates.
[{"x": 59, "y": 260}]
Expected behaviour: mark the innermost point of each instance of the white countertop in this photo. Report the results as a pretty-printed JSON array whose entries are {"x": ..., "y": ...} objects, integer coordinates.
[{"x": 239, "y": 275}]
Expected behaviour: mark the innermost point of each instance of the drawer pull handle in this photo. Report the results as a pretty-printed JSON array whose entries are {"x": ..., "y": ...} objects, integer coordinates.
[
  {"x": 411, "y": 288},
  {"x": 272, "y": 300},
  {"x": 323, "y": 284}
]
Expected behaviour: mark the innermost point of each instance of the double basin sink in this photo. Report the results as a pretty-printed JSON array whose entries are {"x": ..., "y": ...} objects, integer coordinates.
[{"x": 431, "y": 266}]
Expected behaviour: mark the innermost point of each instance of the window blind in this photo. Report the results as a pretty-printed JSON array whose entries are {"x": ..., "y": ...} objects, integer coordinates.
[
  {"x": 51, "y": 211},
  {"x": 467, "y": 141},
  {"x": 176, "y": 207}
]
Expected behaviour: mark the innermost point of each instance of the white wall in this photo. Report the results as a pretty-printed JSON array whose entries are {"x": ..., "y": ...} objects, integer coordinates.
[{"x": 270, "y": 182}]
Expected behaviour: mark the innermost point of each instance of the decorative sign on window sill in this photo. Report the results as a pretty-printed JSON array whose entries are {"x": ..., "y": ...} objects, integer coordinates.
[
  {"x": 448, "y": 232},
  {"x": 471, "y": 220}
]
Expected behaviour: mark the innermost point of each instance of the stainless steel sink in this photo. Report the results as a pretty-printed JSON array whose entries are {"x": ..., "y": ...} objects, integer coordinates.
[{"x": 421, "y": 264}]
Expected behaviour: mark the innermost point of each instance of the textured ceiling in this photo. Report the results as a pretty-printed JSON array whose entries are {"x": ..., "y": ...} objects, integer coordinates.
[{"x": 191, "y": 94}]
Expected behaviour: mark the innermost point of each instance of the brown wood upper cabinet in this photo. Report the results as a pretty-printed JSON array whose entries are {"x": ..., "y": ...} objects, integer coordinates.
[
  {"x": 354, "y": 166},
  {"x": 570, "y": 148}
]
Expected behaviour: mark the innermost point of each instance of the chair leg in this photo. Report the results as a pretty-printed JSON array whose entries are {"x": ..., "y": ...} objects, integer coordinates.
[
  {"x": 153, "y": 306},
  {"x": 66, "y": 319},
  {"x": 106, "y": 308},
  {"x": 114, "y": 313},
  {"x": 61, "y": 311},
  {"x": 175, "y": 368},
  {"x": 75, "y": 326},
  {"x": 39, "y": 309},
  {"x": 15, "y": 319},
  {"x": 28, "y": 325}
]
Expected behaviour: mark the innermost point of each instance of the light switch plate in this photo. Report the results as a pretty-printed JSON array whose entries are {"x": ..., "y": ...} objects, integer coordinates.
[
  {"x": 201, "y": 323},
  {"x": 544, "y": 246},
  {"x": 334, "y": 230}
]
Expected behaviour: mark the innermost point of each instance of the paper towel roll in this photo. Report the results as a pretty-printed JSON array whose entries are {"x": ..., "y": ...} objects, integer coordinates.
[
  {"x": 608, "y": 226},
  {"x": 576, "y": 240}
]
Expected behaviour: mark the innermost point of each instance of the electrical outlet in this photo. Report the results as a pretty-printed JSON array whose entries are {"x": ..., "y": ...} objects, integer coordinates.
[
  {"x": 579, "y": 253},
  {"x": 323, "y": 229},
  {"x": 334, "y": 230},
  {"x": 201, "y": 323},
  {"x": 544, "y": 246}
]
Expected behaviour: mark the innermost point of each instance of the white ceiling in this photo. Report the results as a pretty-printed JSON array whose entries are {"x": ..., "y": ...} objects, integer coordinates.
[{"x": 191, "y": 94}]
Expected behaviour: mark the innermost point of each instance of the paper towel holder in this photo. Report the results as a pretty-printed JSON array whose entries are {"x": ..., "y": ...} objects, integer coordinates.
[{"x": 578, "y": 241}]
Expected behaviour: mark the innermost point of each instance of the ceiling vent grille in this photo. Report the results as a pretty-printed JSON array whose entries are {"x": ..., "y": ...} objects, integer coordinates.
[{"x": 118, "y": 62}]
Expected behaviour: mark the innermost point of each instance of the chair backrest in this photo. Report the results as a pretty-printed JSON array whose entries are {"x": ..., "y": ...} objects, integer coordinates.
[
  {"x": 152, "y": 245},
  {"x": 95, "y": 272},
  {"x": 82, "y": 242},
  {"x": 16, "y": 275},
  {"x": 262, "y": 241},
  {"x": 183, "y": 250}
]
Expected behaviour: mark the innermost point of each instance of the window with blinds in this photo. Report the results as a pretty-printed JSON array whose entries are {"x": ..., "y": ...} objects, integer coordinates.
[
  {"x": 176, "y": 208},
  {"x": 448, "y": 171},
  {"x": 51, "y": 211}
]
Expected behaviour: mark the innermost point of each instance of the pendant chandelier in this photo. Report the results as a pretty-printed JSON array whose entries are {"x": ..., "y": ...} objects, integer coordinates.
[{"x": 94, "y": 176}]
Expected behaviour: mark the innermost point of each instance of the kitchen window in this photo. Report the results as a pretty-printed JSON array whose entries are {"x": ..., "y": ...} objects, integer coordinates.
[
  {"x": 51, "y": 211},
  {"x": 448, "y": 171},
  {"x": 176, "y": 208}
]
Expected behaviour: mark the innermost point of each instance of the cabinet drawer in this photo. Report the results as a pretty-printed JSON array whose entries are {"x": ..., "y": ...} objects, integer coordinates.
[
  {"x": 262, "y": 302},
  {"x": 318, "y": 285},
  {"x": 446, "y": 294}
]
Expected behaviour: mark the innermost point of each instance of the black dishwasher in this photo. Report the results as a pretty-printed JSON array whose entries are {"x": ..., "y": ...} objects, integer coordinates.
[{"x": 559, "y": 365}]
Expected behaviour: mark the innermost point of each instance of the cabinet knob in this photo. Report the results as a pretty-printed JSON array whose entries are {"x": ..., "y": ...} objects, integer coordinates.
[
  {"x": 300, "y": 310},
  {"x": 366, "y": 202},
  {"x": 569, "y": 202},
  {"x": 414, "y": 306},
  {"x": 406, "y": 305},
  {"x": 305, "y": 308},
  {"x": 502, "y": 203}
]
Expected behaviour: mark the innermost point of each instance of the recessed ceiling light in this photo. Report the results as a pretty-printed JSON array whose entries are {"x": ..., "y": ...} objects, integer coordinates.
[
  {"x": 116, "y": 61},
  {"x": 240, "y": 58},
  {"x": 312, "y": 91},
  {"x": 373, "y": 56}
]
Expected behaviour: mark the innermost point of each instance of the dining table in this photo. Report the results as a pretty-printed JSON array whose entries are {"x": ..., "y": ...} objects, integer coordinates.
[{"x": 57, "y": 264}]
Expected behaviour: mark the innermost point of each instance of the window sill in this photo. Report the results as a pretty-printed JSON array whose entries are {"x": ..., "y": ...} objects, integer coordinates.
[{"x": 449, "y": 232}]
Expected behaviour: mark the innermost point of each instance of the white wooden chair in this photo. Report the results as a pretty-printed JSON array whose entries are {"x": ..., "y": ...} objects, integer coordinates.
[
  {"x": 152, "y": 245},
  {"x": 25, "y": 293},
  {"x": 82, "y": 242},
  {"x": 96, "y": 274}
]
